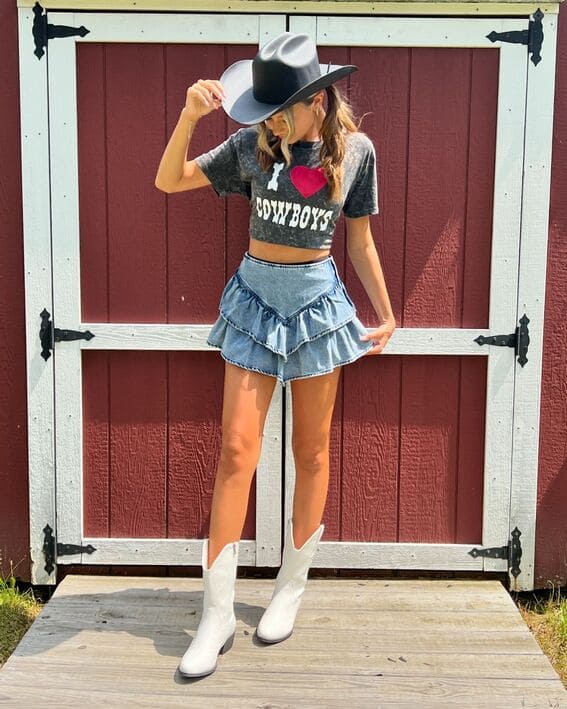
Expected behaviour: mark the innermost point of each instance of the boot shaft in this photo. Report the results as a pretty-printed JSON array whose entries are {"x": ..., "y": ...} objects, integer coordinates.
[
  {"x": 296, "y": 562},
  {"x": 219, "y": 580}
]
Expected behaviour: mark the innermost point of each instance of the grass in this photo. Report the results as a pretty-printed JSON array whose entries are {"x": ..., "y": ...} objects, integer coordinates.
[
  {"x": 18, "y": 610},
  {"x": 544, "y": 611}
]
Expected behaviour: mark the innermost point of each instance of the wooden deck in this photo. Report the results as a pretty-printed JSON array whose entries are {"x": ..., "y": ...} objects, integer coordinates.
[{"x": 115, "y": 641}]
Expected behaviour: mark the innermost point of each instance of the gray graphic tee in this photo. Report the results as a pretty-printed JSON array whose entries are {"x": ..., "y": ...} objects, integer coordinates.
[{"x": 290, "y": 205}]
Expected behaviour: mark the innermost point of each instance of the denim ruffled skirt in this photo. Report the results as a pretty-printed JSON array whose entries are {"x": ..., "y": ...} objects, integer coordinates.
[{"x": 290, "y": 321}]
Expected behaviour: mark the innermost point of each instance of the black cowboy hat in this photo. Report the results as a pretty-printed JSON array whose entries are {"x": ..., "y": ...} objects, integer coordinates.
[{"x": 285, "y": 70}]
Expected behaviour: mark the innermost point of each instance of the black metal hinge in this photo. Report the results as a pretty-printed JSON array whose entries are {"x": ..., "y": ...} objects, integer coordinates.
[
  {"x": 62, "y": 549},
  {"x": 42, "y": 31},
  {"x": 49, "y": 335},
  {"x": 519, "y": 340},
  {"x": 533, "y": 36},
  {"x": 512, "y": 551}
]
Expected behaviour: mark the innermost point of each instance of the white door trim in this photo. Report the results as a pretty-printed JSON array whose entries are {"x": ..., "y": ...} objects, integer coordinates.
[
  {"x": 531, "y": 298},
  {"x": 38, "y": 283}
]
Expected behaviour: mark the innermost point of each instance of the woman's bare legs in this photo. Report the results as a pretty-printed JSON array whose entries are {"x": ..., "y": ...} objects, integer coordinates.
[
  {"x": 247, "y": 395},
  {"x": 313, "y": 400}
]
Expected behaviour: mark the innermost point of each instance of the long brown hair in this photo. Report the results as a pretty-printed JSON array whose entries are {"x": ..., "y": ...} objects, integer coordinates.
[{"x": 339, "y": 120}]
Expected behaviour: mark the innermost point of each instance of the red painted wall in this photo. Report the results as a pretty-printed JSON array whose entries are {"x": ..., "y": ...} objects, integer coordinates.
[
  {"x": 14, "y": 533},
  {"x": 361, "y": 423},
  {"x": 551, "y": 523}
]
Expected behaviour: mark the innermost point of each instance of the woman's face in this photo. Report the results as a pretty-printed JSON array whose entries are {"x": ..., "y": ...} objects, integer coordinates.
[{"x": 305, "y": 117}]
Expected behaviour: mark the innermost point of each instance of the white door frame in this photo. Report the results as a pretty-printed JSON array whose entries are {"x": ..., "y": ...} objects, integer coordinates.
[
  {"x": 531, "y": 297},
  {"x": 521, "y": 206},
  {"x": 52, "y": 281}
]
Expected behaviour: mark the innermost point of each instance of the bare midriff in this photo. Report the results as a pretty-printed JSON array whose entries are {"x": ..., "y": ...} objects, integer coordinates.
[{"x": 280, "y": 253}]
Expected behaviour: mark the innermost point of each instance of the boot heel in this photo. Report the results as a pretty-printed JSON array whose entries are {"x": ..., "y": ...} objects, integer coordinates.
[{"x": 228, "y": 644}]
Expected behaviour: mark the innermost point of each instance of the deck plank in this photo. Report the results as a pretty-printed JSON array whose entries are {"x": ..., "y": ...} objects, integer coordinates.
[{"x": 380, "y": 643}]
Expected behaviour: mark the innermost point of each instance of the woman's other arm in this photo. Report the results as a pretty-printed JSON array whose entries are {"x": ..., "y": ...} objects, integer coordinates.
[
  {"x": 364, "y": 257},
  {"x": 176, "y": 173}
]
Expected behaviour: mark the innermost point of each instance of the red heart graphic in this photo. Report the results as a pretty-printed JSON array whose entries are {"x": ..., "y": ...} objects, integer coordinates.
[{"x": 308, "y": 180}]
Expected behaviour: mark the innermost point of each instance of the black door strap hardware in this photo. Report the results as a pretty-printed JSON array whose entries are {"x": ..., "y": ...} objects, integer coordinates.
[
  {"x": 49, "y": 547},
  {"x": 42, "y": 31},
  {"x": 512, "y": 551},
  {"x": 519, "y": 340},
  {"x": 49, "y": 334},
  {"x": 533, "y": 36}
]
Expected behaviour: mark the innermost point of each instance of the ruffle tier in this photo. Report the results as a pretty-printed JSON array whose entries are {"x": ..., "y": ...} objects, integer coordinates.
[
  {"x": 332, "y": 349},
  {"x": 246, "y": 312},
  {"x": 316, "y": 339}
]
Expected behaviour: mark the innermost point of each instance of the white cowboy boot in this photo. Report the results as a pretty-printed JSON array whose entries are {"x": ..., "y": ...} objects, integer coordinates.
[
  {"x": 276, "y": 623},
  {"x": 218, "y": 623}
]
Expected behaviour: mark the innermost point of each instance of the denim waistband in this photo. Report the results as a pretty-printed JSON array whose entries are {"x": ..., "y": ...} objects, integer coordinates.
[
  {"x": 271, "y": 264},
  {"x": 287, "y": 288}
]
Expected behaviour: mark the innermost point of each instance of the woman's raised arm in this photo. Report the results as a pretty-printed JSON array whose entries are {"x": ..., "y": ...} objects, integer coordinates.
[{"x": 176, "y": 173}]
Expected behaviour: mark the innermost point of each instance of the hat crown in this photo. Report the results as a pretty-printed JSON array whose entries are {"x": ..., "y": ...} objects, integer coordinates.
[{"x": 283, "y": 66}]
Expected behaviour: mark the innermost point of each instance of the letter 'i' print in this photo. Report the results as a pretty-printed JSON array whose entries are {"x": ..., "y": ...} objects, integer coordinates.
[{"x": 273, "y": 183}]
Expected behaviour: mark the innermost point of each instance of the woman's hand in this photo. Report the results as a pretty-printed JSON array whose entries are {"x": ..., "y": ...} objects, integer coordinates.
[
  {"x": 204, "y": 96},
  {"x": 379, "y": 336}
]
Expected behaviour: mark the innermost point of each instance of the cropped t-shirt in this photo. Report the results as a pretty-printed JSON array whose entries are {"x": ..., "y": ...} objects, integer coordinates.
[{"x": 290, "y": 205}]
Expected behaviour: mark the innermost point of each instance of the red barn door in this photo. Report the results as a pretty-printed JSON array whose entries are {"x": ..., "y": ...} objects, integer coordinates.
[{"x": 421, "y": 460}]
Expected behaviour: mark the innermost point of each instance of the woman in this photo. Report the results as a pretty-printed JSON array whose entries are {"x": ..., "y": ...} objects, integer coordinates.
[{"x": 285, "y": 313}]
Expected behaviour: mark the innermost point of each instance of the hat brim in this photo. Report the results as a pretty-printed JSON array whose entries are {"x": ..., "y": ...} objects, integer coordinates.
[{"x": 241, "y": 105}]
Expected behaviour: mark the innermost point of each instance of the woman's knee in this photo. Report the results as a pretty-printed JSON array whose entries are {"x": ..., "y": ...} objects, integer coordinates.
[
  {"x": 311, "y": 454},
  {"x": 239, "y": 453},
  {"x": 247, "y": 397}
]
